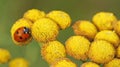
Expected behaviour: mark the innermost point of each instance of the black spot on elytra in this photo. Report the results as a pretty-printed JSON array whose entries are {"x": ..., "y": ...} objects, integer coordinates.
[
  {"x": 17, "y": 32},
  {"x": 21, "y": 38}
]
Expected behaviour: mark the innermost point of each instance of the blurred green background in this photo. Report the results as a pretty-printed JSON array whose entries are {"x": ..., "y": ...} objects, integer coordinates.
[{"x": 12, "y": 10}]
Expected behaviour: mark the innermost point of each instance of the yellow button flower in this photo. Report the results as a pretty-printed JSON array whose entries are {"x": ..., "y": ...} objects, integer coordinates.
[
  {"x": 64, "y": 62},
  {"x": 61, "y": 18},
  {"x": 114, "y": 63},
  {"x": 77, "y": 47},
  {"x": 18, "y": 62},
  {"x": 101, "y": 51},
  {"x": 52, "y": 51},
  {"x": 109, "y": 36},
  {"x": 45, "y": 30},
  {"x": 85, "y": 28},
  {"x": 4, "y": 56},
  {"x": 104, "y": 20},
  {"x": 34, "y": 14},
  {"x": 89, "y": 64}
]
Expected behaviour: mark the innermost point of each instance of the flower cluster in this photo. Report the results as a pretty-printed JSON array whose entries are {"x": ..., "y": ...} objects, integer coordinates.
[{"x": 94, "y": 42}]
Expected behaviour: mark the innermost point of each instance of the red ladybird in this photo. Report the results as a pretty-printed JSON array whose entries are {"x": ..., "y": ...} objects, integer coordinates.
[{"x": 22, "y": 34}]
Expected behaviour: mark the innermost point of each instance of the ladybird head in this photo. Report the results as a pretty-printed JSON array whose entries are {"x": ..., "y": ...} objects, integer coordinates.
[{"x": 22, "y": 34}]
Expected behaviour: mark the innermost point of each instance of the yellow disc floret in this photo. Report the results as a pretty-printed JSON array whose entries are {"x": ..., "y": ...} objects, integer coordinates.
[
  {"x": 52, "y": 51},
  {"x": 117, "y": 27},
  {"x": 104, "y": 20},
  {"x": 34, "y": 14},
  {"x": 89, "y": 64},
  {"x": 114, "y": 63},
  {"x": 44, "y": 30},
  {"x": 64, "y": 62},
  {"x": 61, "y": 18},
  {"x": 4, "y": 56},
  {"x": 118, "y": 51},
  {"x": 85, "y": 28},
  {"x": 77, "y": 47},
  {"x": 109, "y": 36},
  {"x": 18, "y": 62},
  {"x": 18, "y": 24},
  {"x": 101, "y": 51}
]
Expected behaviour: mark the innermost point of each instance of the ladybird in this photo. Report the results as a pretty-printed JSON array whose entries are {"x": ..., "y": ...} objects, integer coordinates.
[{"x": 22, "y": 34}]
